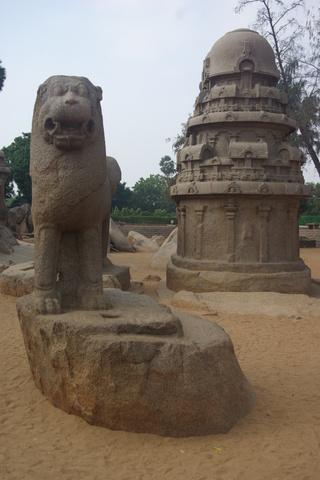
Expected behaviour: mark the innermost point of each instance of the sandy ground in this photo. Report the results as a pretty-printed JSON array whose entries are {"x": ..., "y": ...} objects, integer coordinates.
[{"x": 278, "y": 440}]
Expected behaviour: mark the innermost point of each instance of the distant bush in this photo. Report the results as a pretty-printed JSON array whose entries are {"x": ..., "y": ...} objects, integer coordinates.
[
  {"x": 129, "y": 215},
  {"x": 304, "y": 219},
  {"x": 144, "y": 219}
]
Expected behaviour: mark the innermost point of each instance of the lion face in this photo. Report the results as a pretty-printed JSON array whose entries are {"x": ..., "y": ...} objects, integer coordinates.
[{"x": 69, "y": 111}]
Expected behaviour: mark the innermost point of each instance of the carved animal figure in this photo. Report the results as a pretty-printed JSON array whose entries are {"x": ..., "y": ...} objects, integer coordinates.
[{"x": 71, "y": 195}]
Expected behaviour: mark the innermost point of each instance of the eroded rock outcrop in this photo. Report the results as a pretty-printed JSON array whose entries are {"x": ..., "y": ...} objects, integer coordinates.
[{"x": 140, "y": 243}]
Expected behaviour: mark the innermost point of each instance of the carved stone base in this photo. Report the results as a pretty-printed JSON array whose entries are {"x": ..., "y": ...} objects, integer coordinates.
[
  {"x": 228, "y": 280},
  {"x": 116, "y": 276},
  {"x": 137, "y": 367},
  {"x": 18, "y": 280}
]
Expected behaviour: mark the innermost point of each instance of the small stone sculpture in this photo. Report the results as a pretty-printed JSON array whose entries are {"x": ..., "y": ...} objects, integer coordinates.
[{"x": 71, "y": 195}]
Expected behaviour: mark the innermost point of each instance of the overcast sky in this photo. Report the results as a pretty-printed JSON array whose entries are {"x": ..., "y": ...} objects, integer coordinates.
[{"x": 145, "y": 54}]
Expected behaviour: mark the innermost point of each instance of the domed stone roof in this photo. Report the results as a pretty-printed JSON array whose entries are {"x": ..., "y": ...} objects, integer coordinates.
[{"x": 229, "y": 53}]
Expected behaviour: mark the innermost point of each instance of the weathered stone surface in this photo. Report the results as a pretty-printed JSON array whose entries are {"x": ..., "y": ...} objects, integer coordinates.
[
  {"x": 201, "y": 280},
  {"x": 140, "y": 243},
  {"x": 7, "y": 240},
  {"x": 115, "y": 276},
  {"x": 239, "y": 182},
  {"x": 17, "y": 280},
  {"x": 137, "y": 367},
  {"x": 118, "y": 239},
  {"x": 20, "y": 220},
  {"x": 159, "y": 239},
  {"x": 71, "y": 195},
  {"x": 167, "y": 249},
  {"x": 248, "y": 303}
]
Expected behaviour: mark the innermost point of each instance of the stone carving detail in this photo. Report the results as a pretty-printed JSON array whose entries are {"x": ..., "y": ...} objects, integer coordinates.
[
  {"x": 236, "y": 150},
  {"x": 233, "y": 187},
  {"x": 264, "y": 188},
  {"x": 71, "y": 195},
  {"x": 254, "y": 100}
]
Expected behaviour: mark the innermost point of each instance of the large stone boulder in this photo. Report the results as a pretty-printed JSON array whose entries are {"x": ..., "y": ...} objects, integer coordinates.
[
  {"x": 7, "y": 240},
  {"x": 118, "y": 239},
  {"x": 20, "y": 220},
  {"x": 140, "y": 243},
  {"x": 17, "y": 280},
  {"x": 137, "y": 367},
  {"x": 168, "y": 248}
]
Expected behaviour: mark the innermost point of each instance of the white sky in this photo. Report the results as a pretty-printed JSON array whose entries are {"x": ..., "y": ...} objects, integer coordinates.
[{"x": 145, "y": 54}]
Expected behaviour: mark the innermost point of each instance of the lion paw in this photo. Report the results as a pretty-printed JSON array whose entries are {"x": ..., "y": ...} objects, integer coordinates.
[
  {"x": 47, "y": 305},
  {"x": 94, "y": 301}
]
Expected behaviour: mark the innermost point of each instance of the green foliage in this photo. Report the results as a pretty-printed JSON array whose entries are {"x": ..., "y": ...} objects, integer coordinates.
[
  {"x": 15, "y": 201},
  {"x": 2, "y": 76},
  {"x": 178, "y": 141},
  {"x": 167, "y": 166},
  {"x": 9, "y": 186},
  {"x": 130, "y": 215},
  {"x": 17, "y": 156},
  {"x": 298, "y": 59},
  {"x": 122, "y": 197},
  {"x": 304, "y": 219},
  {"x": 168, "y": 169},
  {"x": 150, "y": 193},
  {"x": 311, "y": 205}
]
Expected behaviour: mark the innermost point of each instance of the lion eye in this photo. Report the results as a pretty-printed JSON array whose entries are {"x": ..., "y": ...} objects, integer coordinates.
[
  {"x": 82, "y": 90},
  {"x": 58, "y": 90}
]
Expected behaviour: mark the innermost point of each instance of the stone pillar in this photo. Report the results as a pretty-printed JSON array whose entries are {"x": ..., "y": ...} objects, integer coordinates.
[
  {"x": 231, "y": 213},
  {"x": 181, "y": 248},
  {"x": 263, "y": 215},
  {"x": 199, "y": 229}
]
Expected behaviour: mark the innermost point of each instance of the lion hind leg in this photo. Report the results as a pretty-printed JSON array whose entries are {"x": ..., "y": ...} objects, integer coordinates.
[{"x": 91, "y": 296}]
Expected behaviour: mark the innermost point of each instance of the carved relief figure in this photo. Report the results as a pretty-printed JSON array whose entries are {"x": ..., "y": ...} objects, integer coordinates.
[{"x": 71, "y": 195}]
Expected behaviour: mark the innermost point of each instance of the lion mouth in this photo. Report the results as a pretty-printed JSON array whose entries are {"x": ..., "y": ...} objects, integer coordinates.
[{"x": 68, "y": 134}]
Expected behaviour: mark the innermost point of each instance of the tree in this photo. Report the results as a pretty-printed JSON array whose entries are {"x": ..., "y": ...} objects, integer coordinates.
[
  {"x": 311, "y": 205},
  {"x": 168, "y": 169},
  {"x": 178, "y": 141},
  {"x": 123, "y": 197},
  {"x": 149, "y": 194},
  {"x": 299, "y": 66},
  {"x": 2, "y": 76},
  {"x": 18, "y": 158},
  {"x": 167, "y": 166}
]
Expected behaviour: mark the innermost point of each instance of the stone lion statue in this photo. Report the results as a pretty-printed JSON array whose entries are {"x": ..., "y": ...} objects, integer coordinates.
[{"x": 72, "y": 185}]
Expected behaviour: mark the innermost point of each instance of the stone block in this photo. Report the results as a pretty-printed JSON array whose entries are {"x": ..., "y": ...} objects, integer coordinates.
[{"x": 137, "y": 367}]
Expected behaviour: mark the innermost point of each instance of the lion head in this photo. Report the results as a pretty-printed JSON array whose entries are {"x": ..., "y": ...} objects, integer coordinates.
[{"x": 68, "y": 111}]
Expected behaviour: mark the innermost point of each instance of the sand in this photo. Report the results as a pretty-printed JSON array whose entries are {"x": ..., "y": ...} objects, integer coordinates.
[{"x": 279, "y": 440}]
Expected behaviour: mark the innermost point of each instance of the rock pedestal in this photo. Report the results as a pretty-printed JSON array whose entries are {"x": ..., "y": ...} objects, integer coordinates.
[
  {"x": 239, "y": 182},
  {"x": 137, "y": 367}
]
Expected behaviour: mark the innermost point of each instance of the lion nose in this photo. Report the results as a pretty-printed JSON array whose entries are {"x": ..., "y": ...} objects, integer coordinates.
[{"x": 70, "y": 98}]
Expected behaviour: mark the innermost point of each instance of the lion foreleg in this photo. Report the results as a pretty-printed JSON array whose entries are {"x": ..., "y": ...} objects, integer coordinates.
[{"x": 47, "y": 241}]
